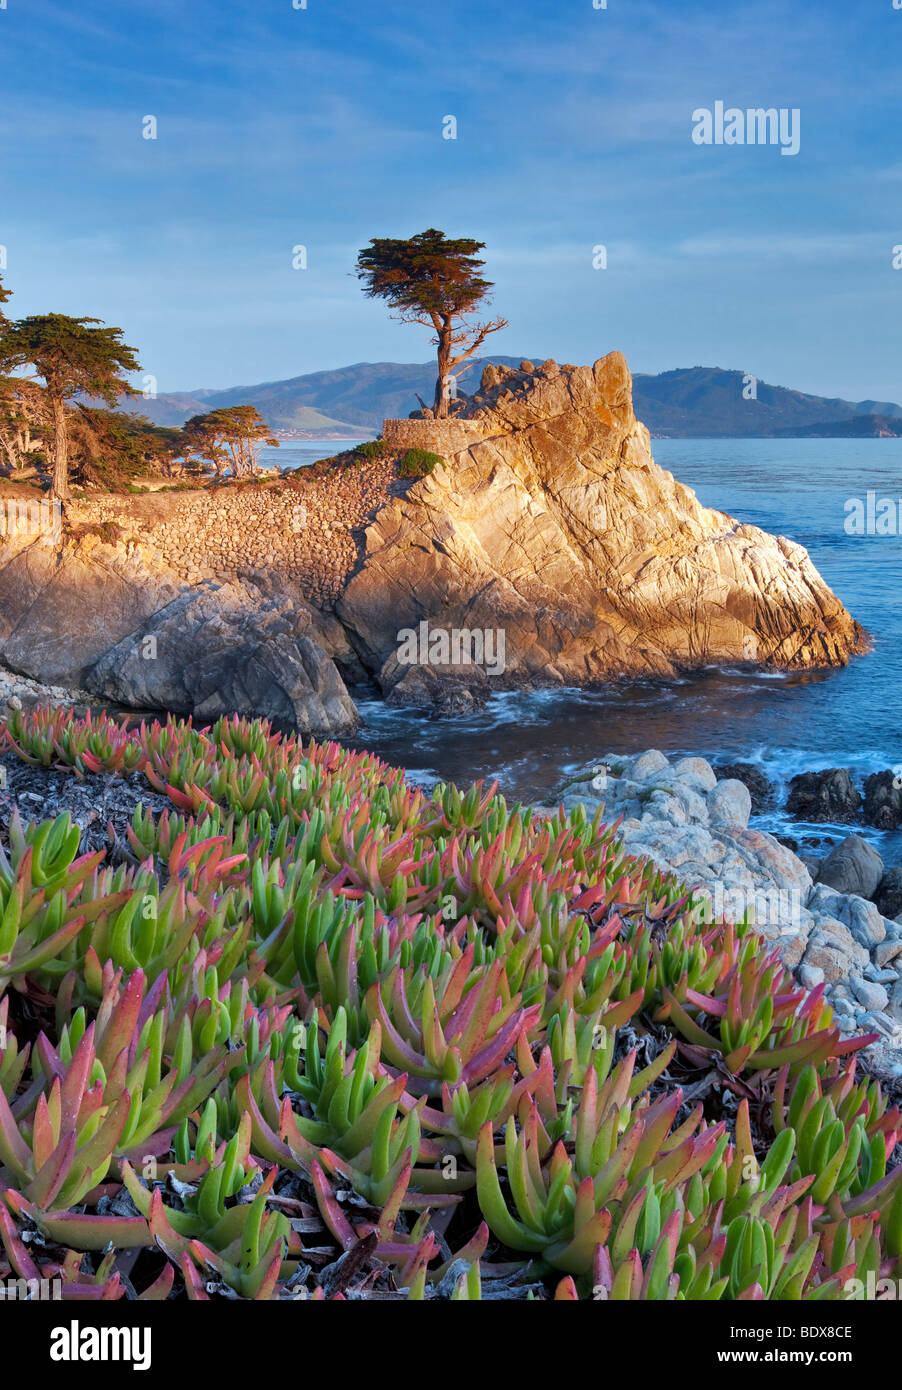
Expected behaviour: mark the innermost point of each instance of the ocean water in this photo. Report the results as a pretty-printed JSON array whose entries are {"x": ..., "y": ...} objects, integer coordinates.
[
  {"x": 784, "y": 723},
  {"x": 298, "y": 453}
]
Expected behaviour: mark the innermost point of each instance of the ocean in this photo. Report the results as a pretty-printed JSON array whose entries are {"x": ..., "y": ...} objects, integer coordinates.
[
  {"x": 783, "y": 722},
  {"x": 298, "y": 453}
]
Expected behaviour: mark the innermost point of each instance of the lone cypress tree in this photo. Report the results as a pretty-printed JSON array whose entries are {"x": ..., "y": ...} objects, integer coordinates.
[{"x": 432, "y": 280}]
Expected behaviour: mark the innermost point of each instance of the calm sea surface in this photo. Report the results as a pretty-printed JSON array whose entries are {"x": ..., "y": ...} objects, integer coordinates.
[
  {"x": 296, "y": 453},
  {"x": 783, "y": 723}
]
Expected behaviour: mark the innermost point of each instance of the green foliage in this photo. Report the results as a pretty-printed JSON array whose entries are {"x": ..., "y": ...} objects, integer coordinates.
[
  {"x": 428, "y": 273},
  {"x": 231, "y": 435},
  {"x": 73, "y": 356},
  {"x": 371, "y": 449},
  {"x": 110, "y": 448},
  {"x": 433, "y": 280},
  {"x": 416, "y": 463},
  {"x": 311, "y": 988}
]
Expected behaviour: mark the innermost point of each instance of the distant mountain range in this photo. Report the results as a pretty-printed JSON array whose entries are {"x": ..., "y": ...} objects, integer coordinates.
[
  {"x": 700, "y": 402},
  {"x": 708, "y": 402}
]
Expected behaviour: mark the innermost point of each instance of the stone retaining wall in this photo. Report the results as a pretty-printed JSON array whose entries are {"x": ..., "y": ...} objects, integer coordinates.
[
  {"x": 308, "y": 532},
  {"x": 444, "y": 437}
]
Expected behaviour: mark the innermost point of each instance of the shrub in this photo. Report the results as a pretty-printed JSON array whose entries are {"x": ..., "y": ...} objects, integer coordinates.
[
  {"x": 416, "y": 463},
  {"x": 371, "y": 449}
]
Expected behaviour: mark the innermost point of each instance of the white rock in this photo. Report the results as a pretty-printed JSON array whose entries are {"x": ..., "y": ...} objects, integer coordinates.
[
  {"x": 729, "y": 803},
  {"x": 865, "y": 922},
  {"x": 697, "y": 773},
  {"x": 871, "y": 995},
  {"x": 888, "y": 949},
  {"x": 646, "y": 765},
  {"x": 668, "y": 807}
]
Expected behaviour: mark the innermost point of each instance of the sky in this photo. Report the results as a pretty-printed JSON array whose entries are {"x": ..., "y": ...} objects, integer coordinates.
[{"x": 324, "y": 125}]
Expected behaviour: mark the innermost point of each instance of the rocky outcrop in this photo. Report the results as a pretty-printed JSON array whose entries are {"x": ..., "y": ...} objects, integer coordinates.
[
  {"x": 823, "y": 796},
  {"x": 547, "y": 549},
  {"x": 92, "y": 614},
  {"x": 217, "y": 650},
  {"x": 552, "y": 524},
  {"x": 682, "y": 818},
  {"x": 883, "y": 800}
]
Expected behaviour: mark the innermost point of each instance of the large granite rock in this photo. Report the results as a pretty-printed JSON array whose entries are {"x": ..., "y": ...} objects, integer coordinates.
[
  {"x": 92, "y": 615},
  {"x": 552, "y": 524},
  {"x": 214, "y": 651},
  {"x": 853, "y": 866}
]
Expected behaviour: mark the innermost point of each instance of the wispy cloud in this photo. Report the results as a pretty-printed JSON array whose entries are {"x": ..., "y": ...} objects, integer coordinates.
[{"x": 323, "y": 126}]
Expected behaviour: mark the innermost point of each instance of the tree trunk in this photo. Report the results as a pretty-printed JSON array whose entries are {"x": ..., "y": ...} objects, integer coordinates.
[
  {"x": 60, "y": 486},
  {"x": 442, "y": 401}
]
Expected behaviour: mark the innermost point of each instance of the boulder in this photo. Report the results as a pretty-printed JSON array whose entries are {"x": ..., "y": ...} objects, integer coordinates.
[
  {"x": 761, "y": 788},
  {"x": 646, "y": 766},
  {"x": 216, "y": 651},
  {"x": 882, "y": 801},
  {"x": 888, "y": 893},
  {"x": 824, "y": 796},
  {"x": 729, "y": 803},
  {"x": 696, "y": 773},
  {"x": 832, "y": 949},
  {"x": 853, "y": 866},
  {"x": 868, "y": 994},
  {"x": 890, "y": 947}
]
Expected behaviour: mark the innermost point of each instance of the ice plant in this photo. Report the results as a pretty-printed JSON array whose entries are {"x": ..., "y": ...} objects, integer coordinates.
[{"x": 311, "y": 1032}]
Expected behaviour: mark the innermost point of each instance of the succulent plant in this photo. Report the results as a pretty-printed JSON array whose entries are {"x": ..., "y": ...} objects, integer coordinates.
[{"x": 310, "y": 1019}]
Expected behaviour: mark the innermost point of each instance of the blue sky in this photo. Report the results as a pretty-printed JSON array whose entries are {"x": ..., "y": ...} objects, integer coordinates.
[{"x": 323, "y": 127}]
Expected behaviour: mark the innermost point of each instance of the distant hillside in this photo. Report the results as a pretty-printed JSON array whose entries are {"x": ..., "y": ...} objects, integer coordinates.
[
  {"x": 350, "y": 400},
  {"x": 689, "y": 402},
  {"x": 860, "y": 427},
  {"x": 708, "y": 402}
]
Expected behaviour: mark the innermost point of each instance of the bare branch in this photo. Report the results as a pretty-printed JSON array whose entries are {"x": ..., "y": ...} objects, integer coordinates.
[{"x": 482, "y": 332}]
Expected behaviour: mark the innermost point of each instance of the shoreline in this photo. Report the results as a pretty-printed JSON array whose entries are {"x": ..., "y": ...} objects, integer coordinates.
[
  {"x": 819, "y": 915},
  {"x": 801, "y": 834}
]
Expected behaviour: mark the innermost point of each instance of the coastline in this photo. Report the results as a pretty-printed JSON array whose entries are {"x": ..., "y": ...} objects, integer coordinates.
[{"x": 686, "y": 820}]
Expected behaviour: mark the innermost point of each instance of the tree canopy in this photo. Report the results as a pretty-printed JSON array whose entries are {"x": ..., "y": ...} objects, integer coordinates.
[
  {"x": 72, "y": 356},
  {"x": 232, "y": 434},
  {"x": 433, "y": 280}
]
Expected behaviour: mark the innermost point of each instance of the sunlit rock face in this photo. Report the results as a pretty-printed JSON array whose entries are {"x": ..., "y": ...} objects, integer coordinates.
[{"x": 551, "y": 522}]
